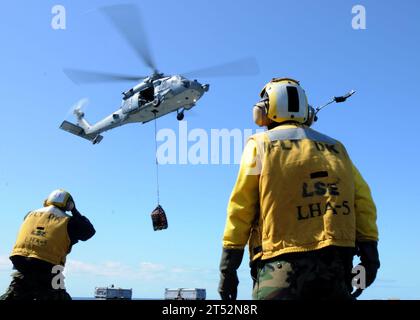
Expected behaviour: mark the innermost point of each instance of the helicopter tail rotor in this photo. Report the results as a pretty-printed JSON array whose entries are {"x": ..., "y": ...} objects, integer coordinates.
[
  {"x": 82, "y": 127},
  {"x": 78, "y": 108}
]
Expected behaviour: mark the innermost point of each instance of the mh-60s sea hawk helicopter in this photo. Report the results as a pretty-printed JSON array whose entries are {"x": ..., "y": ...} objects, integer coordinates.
[
  {"x": 156, "y": 95},
  {"x": 152, "y": 98}
]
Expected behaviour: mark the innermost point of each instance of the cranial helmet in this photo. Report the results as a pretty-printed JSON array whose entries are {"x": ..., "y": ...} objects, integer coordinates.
[
  {"x": 282, "y": 99},
  {"x": 58, "y": 198}
]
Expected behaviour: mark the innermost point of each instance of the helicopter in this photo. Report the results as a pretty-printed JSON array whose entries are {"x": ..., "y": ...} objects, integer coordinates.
[{"x": 153, "y": 96}]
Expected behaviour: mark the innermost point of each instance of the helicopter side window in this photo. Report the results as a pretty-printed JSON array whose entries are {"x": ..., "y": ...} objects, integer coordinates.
[{"x": 147, "y": 94}]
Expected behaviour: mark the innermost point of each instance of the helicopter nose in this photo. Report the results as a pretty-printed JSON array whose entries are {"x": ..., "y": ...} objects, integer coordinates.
[{"x": 200, "y": 87}]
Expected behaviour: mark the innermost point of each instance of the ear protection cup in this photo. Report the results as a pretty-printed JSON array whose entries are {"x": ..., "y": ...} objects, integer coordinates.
[
  {"x": 259, "y": 113},
  {"x": 311, "y": 116}
]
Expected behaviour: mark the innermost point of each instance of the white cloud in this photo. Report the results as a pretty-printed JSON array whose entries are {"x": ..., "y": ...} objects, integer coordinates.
[
  {"x": 178, "y": 270},
  {"x": 107, "y": 269},
  {"x": 145, "y": 271},
  {"x": 151, "y": 267}
]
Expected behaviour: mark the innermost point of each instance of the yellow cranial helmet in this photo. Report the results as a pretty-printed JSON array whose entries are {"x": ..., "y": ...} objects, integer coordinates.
[
  {"x": 58, "y": 198},
  {"x": 282, "y": 99}
]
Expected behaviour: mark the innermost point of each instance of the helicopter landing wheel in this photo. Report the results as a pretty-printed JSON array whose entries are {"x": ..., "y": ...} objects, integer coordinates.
[
  {"x": 180, "y": 116},
  {"x": 156, "y": 102}
]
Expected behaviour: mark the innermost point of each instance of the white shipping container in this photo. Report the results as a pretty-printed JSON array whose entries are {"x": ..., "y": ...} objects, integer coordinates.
[{"x": 185, "y": 294}]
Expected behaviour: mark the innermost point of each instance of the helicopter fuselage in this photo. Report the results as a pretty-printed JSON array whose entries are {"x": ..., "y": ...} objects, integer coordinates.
[{"x": 152, "y": 98}]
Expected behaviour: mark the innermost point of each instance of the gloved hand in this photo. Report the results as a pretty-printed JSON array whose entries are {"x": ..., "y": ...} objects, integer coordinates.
[
  {"x": 230, "y": 262},
  {"x": 73, "y": 209},
  {"x": 76, "y": 212},
  {"x": 369, "y": 258}
]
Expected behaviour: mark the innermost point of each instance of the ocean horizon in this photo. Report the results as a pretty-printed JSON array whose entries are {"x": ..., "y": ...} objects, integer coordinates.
[{"x": 90, "y": 298}]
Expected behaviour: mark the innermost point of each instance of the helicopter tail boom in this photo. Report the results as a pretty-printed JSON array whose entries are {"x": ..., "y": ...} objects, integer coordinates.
[
  {"x": 80, "y": 132},
  {"x": 81, "y": 121}
]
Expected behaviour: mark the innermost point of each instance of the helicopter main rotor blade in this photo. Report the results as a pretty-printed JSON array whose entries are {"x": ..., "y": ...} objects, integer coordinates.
[
  {"x": 85, "y": 76},
  {"x": 127, "y": 20},
  {"x": 241, "y": 67}
]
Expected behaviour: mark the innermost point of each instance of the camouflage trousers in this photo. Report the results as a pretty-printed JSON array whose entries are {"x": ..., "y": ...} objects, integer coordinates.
[
  {"x": 304, "y": 276},
  {"x": 33, "y": 286}
]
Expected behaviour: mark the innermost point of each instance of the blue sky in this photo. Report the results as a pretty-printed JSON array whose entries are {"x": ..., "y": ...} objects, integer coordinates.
[{"x": 113, "y": 183}]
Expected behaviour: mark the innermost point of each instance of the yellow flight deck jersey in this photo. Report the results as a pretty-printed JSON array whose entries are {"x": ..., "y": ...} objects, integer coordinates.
[
  {"x": 43, "y": 235},
  {"x": 297, "y": 190}
]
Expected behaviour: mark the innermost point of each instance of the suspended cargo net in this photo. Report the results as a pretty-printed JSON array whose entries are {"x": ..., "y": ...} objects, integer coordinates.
[
  {"x": 159, "y": 219},
  {"x": 158, "y": 215}
]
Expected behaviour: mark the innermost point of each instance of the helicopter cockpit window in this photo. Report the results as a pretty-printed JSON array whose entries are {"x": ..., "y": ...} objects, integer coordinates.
[{"x": 185, "y": 83}]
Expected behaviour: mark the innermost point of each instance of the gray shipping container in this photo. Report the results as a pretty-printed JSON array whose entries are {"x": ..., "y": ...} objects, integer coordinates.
[
  {"x": 185, "y": 294},
  {"x": 111, "y": 293}
]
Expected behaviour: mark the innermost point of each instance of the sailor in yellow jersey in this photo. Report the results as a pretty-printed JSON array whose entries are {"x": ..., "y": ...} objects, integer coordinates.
[
  {"x": 43, "y": 242},
  {"x": 301, "y": 206}
]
